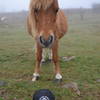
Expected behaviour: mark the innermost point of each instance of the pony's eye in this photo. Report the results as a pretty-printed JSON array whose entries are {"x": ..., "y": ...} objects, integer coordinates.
[
  {"x": 36, "y": 10},
  {"x": 57, "y": 10}
]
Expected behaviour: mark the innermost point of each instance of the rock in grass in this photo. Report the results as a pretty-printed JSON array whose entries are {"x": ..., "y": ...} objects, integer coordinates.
[
  {"x": 98, "y": 80},
  {"x": 3, "y": 83},
  {"x": 68, "y": 58},
  {"x": 72, "y": 85}
]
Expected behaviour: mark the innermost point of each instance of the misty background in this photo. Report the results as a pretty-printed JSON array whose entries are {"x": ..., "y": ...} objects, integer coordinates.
[{"x": 22, "y": 5}]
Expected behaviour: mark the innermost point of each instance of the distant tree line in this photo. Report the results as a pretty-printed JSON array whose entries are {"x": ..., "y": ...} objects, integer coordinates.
[{"x": 96, "y": 8}]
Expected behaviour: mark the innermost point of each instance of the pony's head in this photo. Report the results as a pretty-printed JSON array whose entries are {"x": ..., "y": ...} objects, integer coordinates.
[{"x": 44, "y": 13}]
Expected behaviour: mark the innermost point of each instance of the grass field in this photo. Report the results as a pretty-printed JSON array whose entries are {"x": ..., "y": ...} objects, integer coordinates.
[{"x": 17, "y": 60}]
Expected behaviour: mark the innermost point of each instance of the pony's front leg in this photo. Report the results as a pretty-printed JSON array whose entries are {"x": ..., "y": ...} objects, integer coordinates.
[
  {"x": 58, "y": 76},
  {"x": 38, "y": 54}
]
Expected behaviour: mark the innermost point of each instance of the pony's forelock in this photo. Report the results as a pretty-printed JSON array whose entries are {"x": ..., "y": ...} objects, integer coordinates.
[{"x": 41, "y": 3}]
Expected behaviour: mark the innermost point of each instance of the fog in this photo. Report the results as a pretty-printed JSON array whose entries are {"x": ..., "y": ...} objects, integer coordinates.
[{"x": 18, "y": 5}]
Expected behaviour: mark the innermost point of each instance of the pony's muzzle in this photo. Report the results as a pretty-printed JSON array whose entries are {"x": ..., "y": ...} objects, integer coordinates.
[{"x": 46, "y": 42}]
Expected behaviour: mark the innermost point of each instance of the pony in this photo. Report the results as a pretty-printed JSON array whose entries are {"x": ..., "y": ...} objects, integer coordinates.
[{"x": 47, "y": 24}]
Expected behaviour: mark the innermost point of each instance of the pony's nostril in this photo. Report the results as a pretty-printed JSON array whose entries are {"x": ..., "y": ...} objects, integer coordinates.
[
  {"x": 42, "y": 40},
  {"x": 50, "y": 39}
]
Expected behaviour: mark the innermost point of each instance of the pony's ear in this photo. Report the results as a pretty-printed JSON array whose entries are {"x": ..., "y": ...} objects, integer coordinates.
[{"x": 56, "y": 5}]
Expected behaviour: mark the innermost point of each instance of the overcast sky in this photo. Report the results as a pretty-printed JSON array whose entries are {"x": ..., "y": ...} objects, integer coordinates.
[{"x": 16, "y": 5}]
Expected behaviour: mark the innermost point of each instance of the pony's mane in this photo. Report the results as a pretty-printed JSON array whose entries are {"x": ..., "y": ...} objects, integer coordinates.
[{"x": 41, "y": 3}]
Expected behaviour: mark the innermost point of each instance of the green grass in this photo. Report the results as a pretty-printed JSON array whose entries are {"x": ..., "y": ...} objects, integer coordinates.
[{"x": 17, "y": 61}]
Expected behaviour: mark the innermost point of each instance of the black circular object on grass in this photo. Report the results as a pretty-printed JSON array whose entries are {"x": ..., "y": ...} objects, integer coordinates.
[{"x": 43, "y": 94}]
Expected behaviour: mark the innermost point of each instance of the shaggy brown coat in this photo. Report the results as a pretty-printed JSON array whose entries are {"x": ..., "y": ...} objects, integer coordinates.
[{"x": 45, "y": 17}]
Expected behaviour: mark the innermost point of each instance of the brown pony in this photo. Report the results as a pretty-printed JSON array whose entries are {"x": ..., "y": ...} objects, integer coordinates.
[{"x": 46, "y": 24}]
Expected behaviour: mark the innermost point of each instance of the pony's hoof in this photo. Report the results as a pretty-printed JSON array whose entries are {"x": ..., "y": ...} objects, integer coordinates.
[
  {"x": 43, "y": 61},
  {"x": 35, "y": 79},
  {"x": 58, "y": 78},
  {"x": 58, "y": 81}
]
